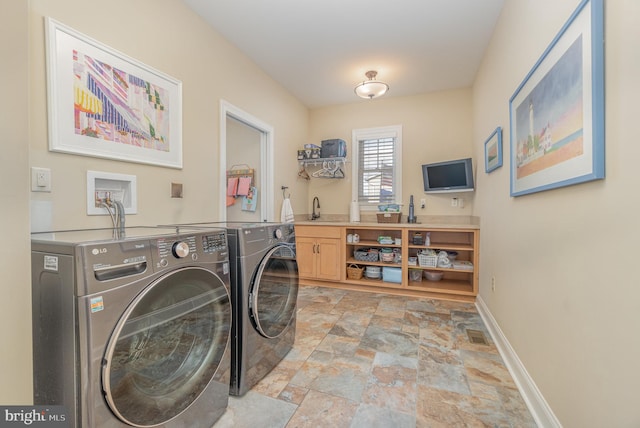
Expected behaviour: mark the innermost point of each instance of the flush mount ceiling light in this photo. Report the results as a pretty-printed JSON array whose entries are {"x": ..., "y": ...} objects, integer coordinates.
[{"x": 371, "y": 88}]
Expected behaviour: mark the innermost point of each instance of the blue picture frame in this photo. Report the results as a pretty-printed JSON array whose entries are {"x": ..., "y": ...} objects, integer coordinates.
[
  {"x": 557, "y": 113},
  {"x": 493, "y": 151}
]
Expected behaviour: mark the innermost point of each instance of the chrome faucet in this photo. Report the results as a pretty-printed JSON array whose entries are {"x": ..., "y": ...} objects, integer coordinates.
[{"x": 316, "y": 204}]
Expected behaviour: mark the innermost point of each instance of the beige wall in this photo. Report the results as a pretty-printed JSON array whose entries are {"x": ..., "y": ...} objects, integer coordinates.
[
  {"x": 15, "y": 263},
  {"x": 566, "y": 296},
  {"x": 435, "y": 127},
  {"x": 165, "y": 35}
]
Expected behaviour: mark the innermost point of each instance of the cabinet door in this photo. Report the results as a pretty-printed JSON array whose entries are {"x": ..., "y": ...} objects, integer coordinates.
[
  {"x": 328, "y": 259},
  {"x": 306, "y": 256}
]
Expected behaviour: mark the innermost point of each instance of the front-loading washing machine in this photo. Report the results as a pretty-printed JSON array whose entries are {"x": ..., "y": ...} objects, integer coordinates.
[
  {"x": 134, "y": 330},
  {"x": 264, "y": 292}
]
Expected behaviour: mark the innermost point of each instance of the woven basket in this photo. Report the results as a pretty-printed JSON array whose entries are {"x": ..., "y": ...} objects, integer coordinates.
[
  {"x": 354, "y": 271},
  {"x": 389, "y": 217}
]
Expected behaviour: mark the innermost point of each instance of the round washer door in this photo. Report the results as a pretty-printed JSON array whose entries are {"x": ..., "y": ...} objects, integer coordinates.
[
  {"x": 274, "y": 292},
  {"x": 167, "y": 347}
]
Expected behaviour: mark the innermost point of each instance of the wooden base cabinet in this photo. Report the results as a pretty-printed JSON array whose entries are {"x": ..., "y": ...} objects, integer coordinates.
[
  {"x": 326, "y": 252},
  {"x": 455, "y": 284},
  {"x": 319, "y": 252}
]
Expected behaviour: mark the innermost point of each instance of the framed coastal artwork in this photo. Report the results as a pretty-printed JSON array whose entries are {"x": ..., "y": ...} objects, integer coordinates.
[
  {"x": 557, "y": 113},
  {"x": 493, "y": 151},
  {"x": 103, "y": 103}
]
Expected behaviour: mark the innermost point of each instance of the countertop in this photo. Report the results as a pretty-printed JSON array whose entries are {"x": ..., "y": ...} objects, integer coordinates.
[{"x": 443, "y": 222}]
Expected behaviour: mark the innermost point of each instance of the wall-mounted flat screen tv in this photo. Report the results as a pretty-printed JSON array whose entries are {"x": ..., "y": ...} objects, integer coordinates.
[{"x": 448, "y": 176}]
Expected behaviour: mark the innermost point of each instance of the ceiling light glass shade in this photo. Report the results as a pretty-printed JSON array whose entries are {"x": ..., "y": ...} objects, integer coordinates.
[{"x": 371, "y": 88}]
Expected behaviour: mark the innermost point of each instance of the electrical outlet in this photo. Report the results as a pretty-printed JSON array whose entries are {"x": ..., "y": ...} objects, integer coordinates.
[
  {"x": 423, "y": 203},
  {"x": 493, "y": 283},
  {"x": 40, "y": 179},
  {"x": 454, "y": 202}
]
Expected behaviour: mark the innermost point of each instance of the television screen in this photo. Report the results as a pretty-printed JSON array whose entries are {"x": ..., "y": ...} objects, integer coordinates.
[{"x": 448, "y": 176}]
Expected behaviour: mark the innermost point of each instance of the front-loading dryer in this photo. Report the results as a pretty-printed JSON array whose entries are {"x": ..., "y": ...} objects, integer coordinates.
[
  {"x": 264, "y": 292},
  {"x": 134, "y": 330}
]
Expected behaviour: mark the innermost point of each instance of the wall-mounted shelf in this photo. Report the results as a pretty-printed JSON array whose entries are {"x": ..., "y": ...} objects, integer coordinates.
[
  {"x": 329, "y": 167},
  {"x": 320, "y": 161}
]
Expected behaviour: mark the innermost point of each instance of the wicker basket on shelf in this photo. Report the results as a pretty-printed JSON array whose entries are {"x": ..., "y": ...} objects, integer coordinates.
[
  {"x": 354, "y": 271},
  {"x": 389, "y": 217}
]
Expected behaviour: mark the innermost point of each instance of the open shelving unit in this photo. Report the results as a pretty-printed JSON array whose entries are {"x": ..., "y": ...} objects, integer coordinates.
[{"x": 457, "y": 284}]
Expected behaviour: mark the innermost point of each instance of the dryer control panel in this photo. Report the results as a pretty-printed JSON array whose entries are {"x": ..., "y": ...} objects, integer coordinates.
[
  {"x": 205, "y": 247},
  {"x": 214, "y": 242},
  {"x": 280, "y": 233}
]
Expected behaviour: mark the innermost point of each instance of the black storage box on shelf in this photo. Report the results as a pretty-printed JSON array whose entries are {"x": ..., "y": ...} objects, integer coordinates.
[{"x": 335, "y": 148}]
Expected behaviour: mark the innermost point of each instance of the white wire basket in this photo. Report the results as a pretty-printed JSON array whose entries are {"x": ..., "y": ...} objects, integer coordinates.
[{"x": 427, "y": 260}]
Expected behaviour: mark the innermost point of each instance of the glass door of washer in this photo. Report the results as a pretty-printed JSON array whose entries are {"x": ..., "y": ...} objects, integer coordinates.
[
  {"x": 167, "y": 347},
  {"x": 274, "y": 292}
]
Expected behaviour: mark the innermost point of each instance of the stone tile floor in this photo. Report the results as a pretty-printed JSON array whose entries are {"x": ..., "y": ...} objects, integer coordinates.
[{"x": 374, "y": 360}]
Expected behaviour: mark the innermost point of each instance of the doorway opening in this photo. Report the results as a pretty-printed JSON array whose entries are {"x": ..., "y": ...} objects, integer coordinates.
[{"x": 246, "y": 141}]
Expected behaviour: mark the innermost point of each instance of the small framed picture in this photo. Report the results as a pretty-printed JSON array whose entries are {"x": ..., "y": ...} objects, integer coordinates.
[{"x": 493, "y": 151}]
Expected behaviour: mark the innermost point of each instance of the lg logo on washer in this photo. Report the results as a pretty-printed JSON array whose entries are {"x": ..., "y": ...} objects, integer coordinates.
[{"x": 97, "y": 251}]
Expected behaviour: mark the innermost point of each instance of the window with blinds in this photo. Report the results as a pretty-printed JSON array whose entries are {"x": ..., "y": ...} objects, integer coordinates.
[{"x": 376, "y": 168}]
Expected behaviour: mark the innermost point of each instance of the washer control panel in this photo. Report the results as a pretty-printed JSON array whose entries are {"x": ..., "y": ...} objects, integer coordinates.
[{"x": 180, "y": 249}]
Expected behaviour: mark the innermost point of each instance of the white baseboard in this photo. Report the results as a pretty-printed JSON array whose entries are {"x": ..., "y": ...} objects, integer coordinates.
[{"x": 540, "y": 410}]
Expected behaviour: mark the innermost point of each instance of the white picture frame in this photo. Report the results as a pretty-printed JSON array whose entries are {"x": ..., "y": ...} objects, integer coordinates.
[{"x": 105, "y": 104}]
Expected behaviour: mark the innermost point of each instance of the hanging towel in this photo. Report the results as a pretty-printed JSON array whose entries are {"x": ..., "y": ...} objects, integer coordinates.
[
  {"x": 232, "y": 186},
  {"x": 286, "y": 215},
  {"x": 243, "y": 186}
]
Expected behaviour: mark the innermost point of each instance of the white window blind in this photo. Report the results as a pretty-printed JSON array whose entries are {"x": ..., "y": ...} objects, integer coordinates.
[
  {"x": 376, "y": 171},
  {"x": 377, "y": 166}
]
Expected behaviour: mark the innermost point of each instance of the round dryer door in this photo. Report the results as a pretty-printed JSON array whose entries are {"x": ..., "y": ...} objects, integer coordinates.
[
  {"x": 167, "y": 347},
  {"x": 274, "y": 292}
]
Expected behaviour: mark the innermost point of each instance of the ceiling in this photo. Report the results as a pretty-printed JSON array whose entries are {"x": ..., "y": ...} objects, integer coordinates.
[{"x": 320, "y": 50}]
